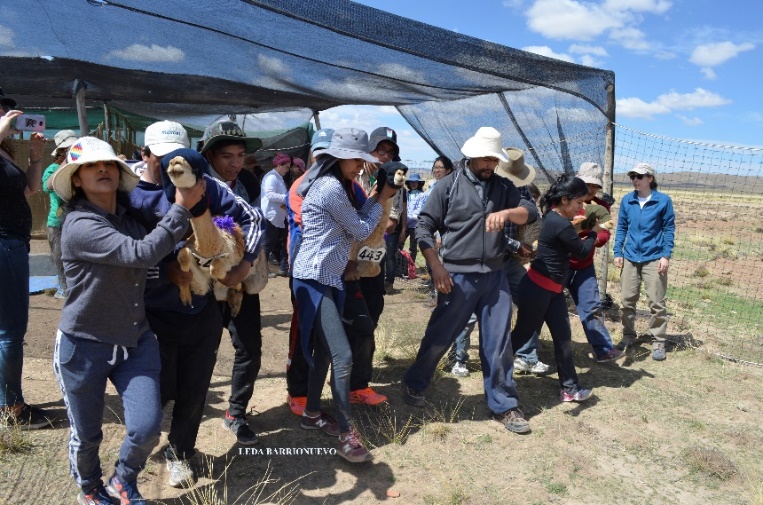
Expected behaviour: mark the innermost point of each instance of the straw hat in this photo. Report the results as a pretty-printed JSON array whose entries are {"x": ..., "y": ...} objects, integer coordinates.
[
  {"x": 515, "y": 169},
  {"x": 90, "y": 150}
]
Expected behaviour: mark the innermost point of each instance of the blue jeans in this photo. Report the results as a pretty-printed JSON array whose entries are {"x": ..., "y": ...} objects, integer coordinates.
[
  {"x": 484, "y": 294},
  {"x": 14, "y": 315},
  {"x": 459, "y": 352},
  {"x": 82, "y": 368},
  {"x": 585, "y": 293},
  {"x": 331, "y": 346}
]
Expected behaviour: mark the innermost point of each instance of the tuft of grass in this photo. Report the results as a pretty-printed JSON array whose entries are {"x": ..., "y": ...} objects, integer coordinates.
[
  {"x": 725, "y": 281},
  {"x": 701, "y": 271},
  {"x": 711, "y": 462},
  {"x": 13, "y": 440},
  {"x": 439, "y": 432},
  {"x": 556, "y": 488},
  {"x": 253, "y": 495},
  {"x": 384, "y": 427}
]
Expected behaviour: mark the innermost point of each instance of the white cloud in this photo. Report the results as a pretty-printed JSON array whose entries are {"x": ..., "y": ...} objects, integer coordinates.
[
  {"x": 547, "y": 51},
  {"x": 399, "y": 71},
  {"x": 569, "y": 19},
  {"x": 630, "y": 38},
  {"x": 154, "y": 54},
  {"x": 587, "y": 20},
  {"x": 274, "y": 66},
  {"x": 689, "y": 121},
  {"x": 669, "y": 102},
  {"x": 586, "y": 49},
  {"x": 708, "y": 72},
  {"x": 6, "y": 37},
  {"x": 590, "y": 61},
  {"x": 714, "y": 54}
]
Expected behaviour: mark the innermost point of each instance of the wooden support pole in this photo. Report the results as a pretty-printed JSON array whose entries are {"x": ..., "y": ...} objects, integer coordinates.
[
  {"x": 609, "y": 166},
  {"x": 79, "y": 96}
]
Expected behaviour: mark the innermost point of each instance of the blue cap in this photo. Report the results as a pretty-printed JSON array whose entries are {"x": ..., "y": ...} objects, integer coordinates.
[
  {"x": 414, "y": 178},
  {"x": 321, "y": 139}
]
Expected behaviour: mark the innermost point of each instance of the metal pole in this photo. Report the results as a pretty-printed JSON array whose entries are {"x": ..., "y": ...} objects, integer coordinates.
[
  {"x": 106, "y": 121},
  {"x": 79, "y": 96},
  {"x": 317, "y": 120},
  {"x": 609, "y": 165}
]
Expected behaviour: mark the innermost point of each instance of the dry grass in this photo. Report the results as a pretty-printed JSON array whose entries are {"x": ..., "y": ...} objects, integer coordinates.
[{"x": 711, "y": 462}]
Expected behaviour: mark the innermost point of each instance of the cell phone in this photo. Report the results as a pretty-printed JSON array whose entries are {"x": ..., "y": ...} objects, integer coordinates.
[{"x": 30, "y": 122}]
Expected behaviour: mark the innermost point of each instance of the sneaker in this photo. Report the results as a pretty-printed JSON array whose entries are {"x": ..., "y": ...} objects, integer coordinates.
[
  {"x": 181, "y": 473},
  {"x": 389, "y": 288},
  {"x": 411, "y": 397},
  {"x": 283, "y": 273},
  {"x": 97, "y": 496},
  {"x": 240, "y": 427},
  {"x": 524, "y": 366},
  {"x": 322, "y": 422},
  {"x": 540, "y": 368},
  {"x": 579, "y": 395},
  {"x": 59, "y": 295},
  {"x": 513, "y": 420},
  {"x": 30, "y": 418},
  {"x": 367, "y": 396},
  {"x": 459, "y": 369},
  {"x": 658, "y": 351},
  {"x": 297, "y": 404},
  {"x": 126, "y": 492},
  {"x": 611, "y": 355},
  {"x": 352, "y": 449}
]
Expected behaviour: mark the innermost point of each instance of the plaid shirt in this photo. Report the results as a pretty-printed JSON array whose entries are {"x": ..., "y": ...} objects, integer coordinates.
[
  {"x": 329, "y": 225},
  {"x": 512, "y": 229}
]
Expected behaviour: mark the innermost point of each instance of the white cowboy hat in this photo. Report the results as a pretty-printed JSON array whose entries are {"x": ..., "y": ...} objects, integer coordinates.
[
  {"x": 486, "y": 143},
  {"x": 516, "y": 170},
  {"x": 90, "y": 150}
]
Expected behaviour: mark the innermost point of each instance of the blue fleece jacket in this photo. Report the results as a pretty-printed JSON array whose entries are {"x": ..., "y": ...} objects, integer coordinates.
[{"x": 645, "y": 234}]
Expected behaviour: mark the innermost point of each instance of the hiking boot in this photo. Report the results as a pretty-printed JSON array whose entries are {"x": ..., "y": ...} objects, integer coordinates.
[
  {"x": 658, "y": 351},
  {"x": 524, "y": 366},
  {"x": 352, "y": 449},
  {"x": 612, "y": 355},
  {"x": 322, "y": 421},
  {"x": 579, "y": 395},
  {"x": 627, "y": 341},
  {"x": 297, "y": 404},
  {"x": 30, "y": 418},
  {"x": 411, "y": 397},
  {"x": 125, "y": 492},
  {"x": 240, "y": 427},
  {"x": 367, "y": 396},
  {"x": 181, "y": 473},
  {"x": 97, "y": 496},
  {"x": 513, "y": 420},
  {"x": 459, "y": 369},
  {"x": 283, "y": 273},
  {"x": 389, "y": 288}
]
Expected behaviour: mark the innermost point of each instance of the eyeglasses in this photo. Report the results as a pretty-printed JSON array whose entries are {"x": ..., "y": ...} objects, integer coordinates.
[
  {"x": 383, "y": 152},
  {"x": 438, "y": 168},
  {"x": 637, "y": 176}
]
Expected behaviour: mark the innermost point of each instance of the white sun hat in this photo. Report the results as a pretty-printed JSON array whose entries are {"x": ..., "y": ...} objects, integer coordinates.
[
  {"x": 486, "y": 143},
  {"x": 90, "y": 150}
]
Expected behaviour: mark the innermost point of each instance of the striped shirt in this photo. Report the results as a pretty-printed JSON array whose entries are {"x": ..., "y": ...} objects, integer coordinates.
[{"x": 329, "y": 225}]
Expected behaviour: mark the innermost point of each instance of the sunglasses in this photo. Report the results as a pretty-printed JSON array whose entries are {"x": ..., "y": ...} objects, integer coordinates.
[{"x": 637, "y": 176}]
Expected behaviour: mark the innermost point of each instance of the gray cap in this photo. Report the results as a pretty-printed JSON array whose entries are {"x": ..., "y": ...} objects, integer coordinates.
[{"x": 380, "y": 134}]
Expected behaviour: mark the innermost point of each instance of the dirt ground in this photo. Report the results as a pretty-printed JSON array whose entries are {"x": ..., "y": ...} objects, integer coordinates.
[{"x": 683, "y": 431}]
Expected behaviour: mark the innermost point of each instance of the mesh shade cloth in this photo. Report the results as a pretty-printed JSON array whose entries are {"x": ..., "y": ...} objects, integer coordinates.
[{"x": 192, "y": 58}]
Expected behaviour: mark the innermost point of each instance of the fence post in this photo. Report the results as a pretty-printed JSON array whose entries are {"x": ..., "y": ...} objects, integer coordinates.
[{"x": 609, "y": 165}]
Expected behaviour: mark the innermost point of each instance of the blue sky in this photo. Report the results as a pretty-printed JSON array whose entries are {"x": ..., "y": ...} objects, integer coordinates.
[{"x": 683, "y": 68}]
